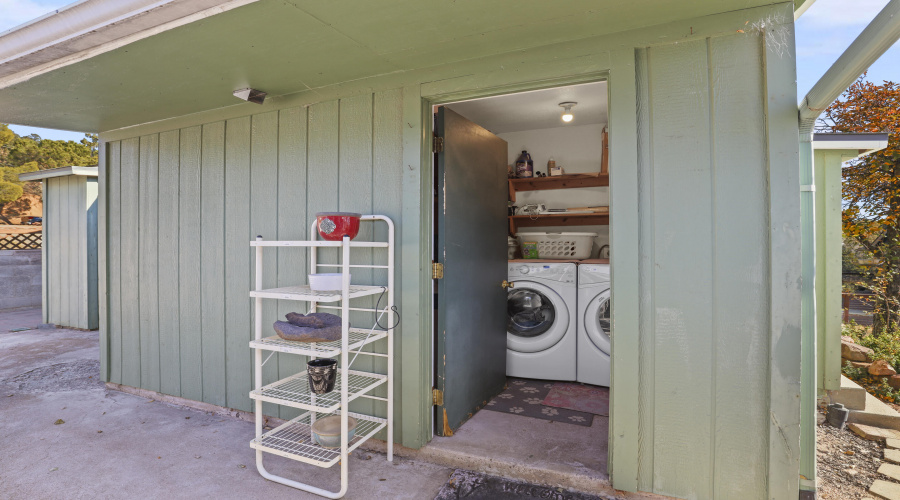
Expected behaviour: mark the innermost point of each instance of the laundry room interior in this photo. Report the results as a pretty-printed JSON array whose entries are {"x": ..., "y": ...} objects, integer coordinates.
[{"x": 554, "y": 406}]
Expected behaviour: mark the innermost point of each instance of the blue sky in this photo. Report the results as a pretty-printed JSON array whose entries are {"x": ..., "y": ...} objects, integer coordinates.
[{"x": 823, "y": 32}]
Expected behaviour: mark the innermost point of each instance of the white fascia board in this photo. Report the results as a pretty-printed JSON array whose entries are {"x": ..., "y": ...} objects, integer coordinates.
[
  {"x": 864, "y": 143},
  {"x": 88, "y": 28},
  {"x": 59, "y": 172}
]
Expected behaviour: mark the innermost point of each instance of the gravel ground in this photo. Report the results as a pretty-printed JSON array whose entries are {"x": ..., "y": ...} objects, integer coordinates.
[{"x": 847, "y": 463}]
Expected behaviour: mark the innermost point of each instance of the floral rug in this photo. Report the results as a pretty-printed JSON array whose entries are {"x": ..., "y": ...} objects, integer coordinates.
[
  {"x": 526, "y": 397},
  {"x": 580, "y": 397}
]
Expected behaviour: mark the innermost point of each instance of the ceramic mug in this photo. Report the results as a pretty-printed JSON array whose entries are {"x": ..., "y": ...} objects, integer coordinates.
[{"x": 322, "y": 374}]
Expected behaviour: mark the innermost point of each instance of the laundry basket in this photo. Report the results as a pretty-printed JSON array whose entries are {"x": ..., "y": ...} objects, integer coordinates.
[{"x": 563, "y": 246}]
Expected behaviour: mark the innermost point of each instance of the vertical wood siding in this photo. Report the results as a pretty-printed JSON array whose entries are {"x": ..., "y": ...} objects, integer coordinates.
[
  {"x": 182, "y": 207},
  {"x": 704, "y": 268},
  {"x": 70, "y": 241}
]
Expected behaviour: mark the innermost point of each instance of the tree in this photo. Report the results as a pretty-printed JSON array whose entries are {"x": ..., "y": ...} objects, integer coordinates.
[
  {"x": 871, "y": 189},
  {"x": 30, "y": 153}
]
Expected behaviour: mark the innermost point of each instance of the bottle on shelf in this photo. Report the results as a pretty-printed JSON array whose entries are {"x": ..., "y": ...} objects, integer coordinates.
[{"x": 524, "y": 165}]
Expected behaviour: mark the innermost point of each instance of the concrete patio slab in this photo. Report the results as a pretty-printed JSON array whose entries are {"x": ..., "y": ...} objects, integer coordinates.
[{"x": 114, "y": 445}]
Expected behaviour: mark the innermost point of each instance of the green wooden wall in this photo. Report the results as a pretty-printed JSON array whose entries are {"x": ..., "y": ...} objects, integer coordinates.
[
  {"x": 705, "y": 226},
  {"x": 703, "y": 267},
  {"x": 182, "y": 208},
  {"x": 70, "y": 252}
]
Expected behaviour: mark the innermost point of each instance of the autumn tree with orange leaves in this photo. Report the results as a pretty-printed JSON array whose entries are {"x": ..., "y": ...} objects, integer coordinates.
[{"x": 871, "y": 190}]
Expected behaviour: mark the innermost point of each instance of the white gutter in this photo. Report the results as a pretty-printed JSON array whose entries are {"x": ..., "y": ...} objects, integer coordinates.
[
  {"x": 88, "y": 28},
  {"x": 874, "y": 41}
]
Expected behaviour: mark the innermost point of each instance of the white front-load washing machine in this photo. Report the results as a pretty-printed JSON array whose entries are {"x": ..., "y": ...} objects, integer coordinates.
[
  {"x": 593, "y": 324},
  {"x": 541, "y": 332}
]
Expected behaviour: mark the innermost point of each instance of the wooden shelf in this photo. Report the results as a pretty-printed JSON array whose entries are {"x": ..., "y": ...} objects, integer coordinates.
[
  {"x": 557, "y": 182},
  {"x": 517, "y": 221}
]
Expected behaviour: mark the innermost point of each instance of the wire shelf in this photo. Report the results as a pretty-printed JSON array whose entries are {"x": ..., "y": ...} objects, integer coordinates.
[
  {"x": 318, "y": 349},
  {"x": 293, "y": 440},
  {"x": 306, "y": 294},
  {"x": 294, "y": 391}
]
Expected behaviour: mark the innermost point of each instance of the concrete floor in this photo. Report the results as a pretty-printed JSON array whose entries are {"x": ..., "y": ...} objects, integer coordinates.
[
  {"x": 112, "y": 444},
  {"x": 531, "y": 449},
  {"x": 116, "y": 445}
]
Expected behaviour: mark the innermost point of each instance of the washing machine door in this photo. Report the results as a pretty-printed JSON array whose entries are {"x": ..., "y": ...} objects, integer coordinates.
[
  {"x": 597, "y": 321},
  {"x": 537, "y": 317}
]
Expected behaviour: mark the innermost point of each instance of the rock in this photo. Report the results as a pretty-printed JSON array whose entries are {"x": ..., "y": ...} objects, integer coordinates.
[
  {"x": 311, "y": 321},
  {"x": 892, "y": 456},
  {"x": 847, "y": 339},
  {"x": 882, "y": 368},
  {"x": 331, "y": 331},
  {"x": 873, "y": 433},
  {"x": 892, "y": 443},
  {"x": 856, "y": 352},
  {"x": 857, "y": 364}
]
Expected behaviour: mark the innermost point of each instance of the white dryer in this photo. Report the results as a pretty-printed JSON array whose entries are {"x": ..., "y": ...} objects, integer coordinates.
[
  {"x": 541, "y": 332},
  {"x": 593, "y": 324}
]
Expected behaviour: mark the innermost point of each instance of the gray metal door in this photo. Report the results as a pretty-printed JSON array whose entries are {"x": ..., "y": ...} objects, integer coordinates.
[{"x": 471, "y": 230}]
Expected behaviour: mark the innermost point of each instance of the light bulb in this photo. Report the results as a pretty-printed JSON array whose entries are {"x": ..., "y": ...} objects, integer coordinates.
[{"x": 567, "y": 115}]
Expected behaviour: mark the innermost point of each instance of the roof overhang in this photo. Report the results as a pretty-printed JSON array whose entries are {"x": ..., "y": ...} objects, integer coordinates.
[
  {"x": 59, "y": 172},
  {"x": 100, "y": 65},
  {"x": 861, "y": 144}
]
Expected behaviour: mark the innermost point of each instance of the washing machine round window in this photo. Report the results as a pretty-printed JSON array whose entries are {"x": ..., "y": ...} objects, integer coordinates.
[
  {"x": 529, "y": 313},
  {"x": 597, "y": 321},
  {"x": 537, "y": 317}
]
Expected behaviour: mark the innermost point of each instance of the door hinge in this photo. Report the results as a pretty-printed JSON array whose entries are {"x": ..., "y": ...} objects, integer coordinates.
[
  {"x": 438, "y": 145},
  {"x": 437, "y": 397},
  {"x": 437, "y": 271}
]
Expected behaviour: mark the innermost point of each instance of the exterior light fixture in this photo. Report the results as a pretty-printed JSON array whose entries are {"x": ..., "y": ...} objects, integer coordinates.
[
  {"x": 567, "y": 115},
  {"x": 250, "y": 95}
]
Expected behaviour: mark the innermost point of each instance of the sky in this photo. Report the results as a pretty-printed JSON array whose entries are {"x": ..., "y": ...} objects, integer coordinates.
[{"x": 823, "y": 33}]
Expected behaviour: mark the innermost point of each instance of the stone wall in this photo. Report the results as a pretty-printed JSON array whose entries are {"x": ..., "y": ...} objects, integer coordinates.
[{"x": 20, "y": 278}]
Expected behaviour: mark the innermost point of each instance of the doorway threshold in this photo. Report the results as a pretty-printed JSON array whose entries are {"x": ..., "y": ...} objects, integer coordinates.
[{"x": 529, "y": 449}]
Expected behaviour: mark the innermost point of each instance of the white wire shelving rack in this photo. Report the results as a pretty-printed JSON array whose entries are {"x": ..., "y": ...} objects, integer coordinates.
[{"x": 293, "y": 439}]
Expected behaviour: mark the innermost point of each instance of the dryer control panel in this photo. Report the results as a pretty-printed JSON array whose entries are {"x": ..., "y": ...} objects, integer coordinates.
[{"x": 563, "y": 273}]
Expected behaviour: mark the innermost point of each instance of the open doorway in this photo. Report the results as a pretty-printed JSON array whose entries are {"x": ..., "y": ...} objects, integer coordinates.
[{"x": 522, "y": 326}]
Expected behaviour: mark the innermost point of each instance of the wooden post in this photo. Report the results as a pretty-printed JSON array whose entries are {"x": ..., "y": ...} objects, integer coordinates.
[{"x": 845, "y": 305}]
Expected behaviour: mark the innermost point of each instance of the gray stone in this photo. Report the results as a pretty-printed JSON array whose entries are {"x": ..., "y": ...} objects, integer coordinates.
[
  {"x": 890, "y": 470},
  {"x": 892, "y": 455},
  {"x": 329, "y": 332},
  {"x": 310, "y": 321},
  {"x": 893, "y": 443}
]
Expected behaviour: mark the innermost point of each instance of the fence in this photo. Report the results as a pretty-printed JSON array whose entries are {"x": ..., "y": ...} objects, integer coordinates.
[
  {"x": 857, "y": 307},
  {"x": 21, "y": 241}
]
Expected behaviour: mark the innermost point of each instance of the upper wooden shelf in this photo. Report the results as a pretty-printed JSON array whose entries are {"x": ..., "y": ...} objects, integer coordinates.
[
  {"x": 557, "y": 182},
  {"x": 563, "y": 219}
]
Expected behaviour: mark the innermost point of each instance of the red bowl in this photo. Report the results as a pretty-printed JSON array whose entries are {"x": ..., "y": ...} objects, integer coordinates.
[{"x": 333, "y": 226}]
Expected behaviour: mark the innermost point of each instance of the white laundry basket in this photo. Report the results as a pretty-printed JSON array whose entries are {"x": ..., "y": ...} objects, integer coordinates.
[{"x": 563, "y": 246}]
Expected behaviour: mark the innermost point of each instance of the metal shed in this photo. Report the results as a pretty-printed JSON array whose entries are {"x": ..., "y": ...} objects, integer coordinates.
[{"x": 69, "y": 254}]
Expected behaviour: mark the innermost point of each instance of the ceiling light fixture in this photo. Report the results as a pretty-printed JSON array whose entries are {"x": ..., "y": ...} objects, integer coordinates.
[
  {"x": 567, "y": 115},
  {"x": 250, "y": 95}
]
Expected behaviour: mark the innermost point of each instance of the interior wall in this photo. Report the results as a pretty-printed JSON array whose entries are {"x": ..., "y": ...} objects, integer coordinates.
[
  {"x": 578, "y": 149},
  {"x": 182, "y": 207}
]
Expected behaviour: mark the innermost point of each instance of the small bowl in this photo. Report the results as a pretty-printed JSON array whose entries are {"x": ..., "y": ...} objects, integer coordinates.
[
  {"x": 325, "y": 281},
  {"x": 326, "y": 432},
  {"x": 333, "y": 226}
]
